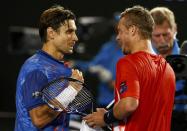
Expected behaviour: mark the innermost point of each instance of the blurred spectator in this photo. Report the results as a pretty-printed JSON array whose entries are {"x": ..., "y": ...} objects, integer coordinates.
[
  {"x": 104, "y": 66},
  {"x": 183, "y": 49},
  {"x": 164, "y": 40},
  {"x": 179, "y": 118}
]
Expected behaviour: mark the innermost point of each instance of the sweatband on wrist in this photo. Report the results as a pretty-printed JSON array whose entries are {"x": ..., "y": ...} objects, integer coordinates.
[
  {"x": 109, "y": 117},
  {"x": 67, "y": 96}
]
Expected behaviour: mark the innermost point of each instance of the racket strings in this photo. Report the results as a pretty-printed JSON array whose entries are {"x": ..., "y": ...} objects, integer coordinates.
[
  {"x": 81, "y": 101},
  {"x": 53, "y": 90},
  {"x": 82, "y": 97}
]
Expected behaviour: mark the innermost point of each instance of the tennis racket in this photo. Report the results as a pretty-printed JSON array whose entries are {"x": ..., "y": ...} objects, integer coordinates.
[{"x": 62, "y": 97}]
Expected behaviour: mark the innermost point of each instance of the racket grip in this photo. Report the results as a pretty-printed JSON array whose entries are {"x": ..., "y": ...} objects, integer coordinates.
[
  {"x": 82, "y": 114},
  {"x": 110, "y": 104}
]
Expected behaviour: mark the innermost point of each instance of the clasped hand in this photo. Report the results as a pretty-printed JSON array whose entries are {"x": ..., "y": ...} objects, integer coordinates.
[{"x": 96, "y": 119}]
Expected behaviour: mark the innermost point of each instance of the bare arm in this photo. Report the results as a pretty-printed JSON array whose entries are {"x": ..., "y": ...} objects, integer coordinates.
[
  {"x": 42, "y": 115},
  {"x": 125, "y": 107}
]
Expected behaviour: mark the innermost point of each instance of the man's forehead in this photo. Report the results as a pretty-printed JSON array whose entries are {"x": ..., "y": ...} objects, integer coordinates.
[
  {"x": 120, "y": 23},
  {"x": 122, "y": 20},
  {"x": 163, "y": 26}
]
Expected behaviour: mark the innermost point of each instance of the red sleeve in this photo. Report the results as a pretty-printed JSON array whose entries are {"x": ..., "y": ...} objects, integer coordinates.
[{"x": 127, "y": 82}]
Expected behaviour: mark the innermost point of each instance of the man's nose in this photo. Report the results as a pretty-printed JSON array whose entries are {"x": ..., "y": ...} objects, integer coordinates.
[
  {"x": 161, "y": 39},
  {"x": 76, "y": 38}
]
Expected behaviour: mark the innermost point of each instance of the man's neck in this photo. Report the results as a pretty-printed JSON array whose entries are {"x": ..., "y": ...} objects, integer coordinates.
[
  {"x": 51, "y": 50},
  {"x": 142, "y": 45}
]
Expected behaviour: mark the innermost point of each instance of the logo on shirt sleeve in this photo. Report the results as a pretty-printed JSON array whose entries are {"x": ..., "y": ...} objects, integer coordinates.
[{"x": 123, "y": 87}]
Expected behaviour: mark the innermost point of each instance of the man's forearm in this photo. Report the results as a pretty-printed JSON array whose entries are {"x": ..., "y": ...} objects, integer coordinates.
[
  {"x": 42, "y": 115},
  {"x": 125, "y": 107},
  {"x": 121, "y": 110}
]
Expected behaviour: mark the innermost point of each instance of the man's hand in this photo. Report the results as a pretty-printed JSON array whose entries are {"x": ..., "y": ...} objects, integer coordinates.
[
  {"x": 76, "y": 74},
  {"x": 96, "y": 119}
]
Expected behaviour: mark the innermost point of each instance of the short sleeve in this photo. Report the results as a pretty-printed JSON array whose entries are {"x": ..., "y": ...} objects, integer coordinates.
[
  {"x": 127, "y": 79},
  {"x": 34, "y": 82}
]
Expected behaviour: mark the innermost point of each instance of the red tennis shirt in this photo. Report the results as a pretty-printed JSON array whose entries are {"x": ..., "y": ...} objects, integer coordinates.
[{"x": 151, "y": 80}]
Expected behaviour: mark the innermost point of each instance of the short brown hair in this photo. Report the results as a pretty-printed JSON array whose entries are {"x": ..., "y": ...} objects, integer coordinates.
[
  {"x": 141, "y": 18},
  {"x": 162, "y": 14},
  {"x": 53, "y": 17}
]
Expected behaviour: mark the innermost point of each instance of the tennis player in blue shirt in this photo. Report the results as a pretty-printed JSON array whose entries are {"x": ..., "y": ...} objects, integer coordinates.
[{"x": 57, "y": 31}]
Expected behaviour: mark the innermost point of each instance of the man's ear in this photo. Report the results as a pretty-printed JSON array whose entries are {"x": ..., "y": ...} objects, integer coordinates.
[
  {"x": 50, "y": 33},
  {"x": 133, "y": 30}
]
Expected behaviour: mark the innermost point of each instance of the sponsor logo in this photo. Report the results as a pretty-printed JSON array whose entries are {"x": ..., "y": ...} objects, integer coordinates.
[{"x": 123, "y": 87}]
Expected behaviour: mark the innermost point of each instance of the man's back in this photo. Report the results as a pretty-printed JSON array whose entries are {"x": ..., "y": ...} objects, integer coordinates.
[{"x": 155, "y": 91}]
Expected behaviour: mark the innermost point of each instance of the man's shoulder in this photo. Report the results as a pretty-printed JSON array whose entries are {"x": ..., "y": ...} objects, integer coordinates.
[
  {"x": 126, "y": 58},
  {"x": 122, "y": 59},
  {"x": 36, "y": 61},
  {"x": 125, "y": 61},
  {"x": 32, "y": 63}
]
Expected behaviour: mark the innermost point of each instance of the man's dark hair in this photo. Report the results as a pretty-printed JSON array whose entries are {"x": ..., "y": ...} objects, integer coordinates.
[
  {"x": 53, "y": 17},
  {"x": 141, "y": 18}
]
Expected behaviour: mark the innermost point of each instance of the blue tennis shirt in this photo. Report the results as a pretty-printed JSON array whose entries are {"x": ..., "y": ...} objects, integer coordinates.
[{"x": 36, "y": 72}]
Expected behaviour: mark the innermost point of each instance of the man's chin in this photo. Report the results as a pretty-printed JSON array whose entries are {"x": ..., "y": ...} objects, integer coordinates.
[
  {"x": 126, "y": 52},
  {"x": 70, "y": 52},
  {"x": 163, "y": 50}
]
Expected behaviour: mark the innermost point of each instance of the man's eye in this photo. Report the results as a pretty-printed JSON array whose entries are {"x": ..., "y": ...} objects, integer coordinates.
[
  {"x": 69, "y": 31},
  {"x": 158, "y": 35},
  {"x": 165, "y": 34}
]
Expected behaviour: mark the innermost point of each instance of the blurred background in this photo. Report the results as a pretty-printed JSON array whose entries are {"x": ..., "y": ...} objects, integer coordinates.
[{"x": 19, "y": 37}]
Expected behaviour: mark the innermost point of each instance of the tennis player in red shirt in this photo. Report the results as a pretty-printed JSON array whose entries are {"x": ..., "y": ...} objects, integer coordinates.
[{"x": 145, "y": 83}]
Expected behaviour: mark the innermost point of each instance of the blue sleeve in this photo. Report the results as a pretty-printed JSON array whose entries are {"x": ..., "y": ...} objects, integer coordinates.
[{"x": 34, "y": 82}]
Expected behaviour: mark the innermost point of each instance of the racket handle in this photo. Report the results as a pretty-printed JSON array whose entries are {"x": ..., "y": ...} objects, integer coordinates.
[
  {"x": 80, "y": 113},
  {"x": 108, "y": 128},
  {"x": 110, "y": 104}
]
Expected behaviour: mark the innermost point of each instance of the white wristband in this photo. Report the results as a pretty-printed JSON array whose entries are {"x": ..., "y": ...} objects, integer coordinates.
[{"x": 67, "y": 96}]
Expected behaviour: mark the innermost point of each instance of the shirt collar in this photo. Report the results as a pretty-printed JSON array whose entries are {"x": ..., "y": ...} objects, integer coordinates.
[
  {"x": 43, "y": 53},
  {"x": 175, "y": 50}
]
